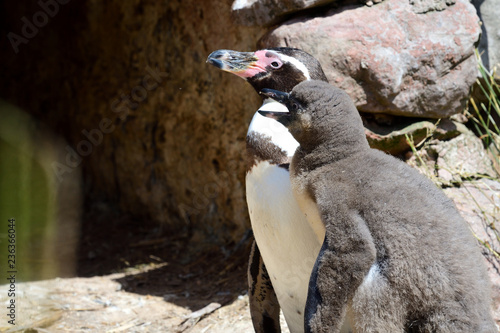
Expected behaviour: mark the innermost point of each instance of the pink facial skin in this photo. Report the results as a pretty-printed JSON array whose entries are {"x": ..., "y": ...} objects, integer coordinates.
[{"x": 266, "y": 59}]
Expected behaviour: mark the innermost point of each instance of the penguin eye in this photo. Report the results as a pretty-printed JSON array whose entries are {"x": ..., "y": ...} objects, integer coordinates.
[
  {"x": 295, "y": 106},
  {"x": 275, "y": 64}
]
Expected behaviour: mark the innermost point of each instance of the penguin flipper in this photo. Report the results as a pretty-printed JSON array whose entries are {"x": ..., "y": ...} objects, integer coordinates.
[
  {"x": 345, "y": 258},
  {"x": 264, "y": 306}
]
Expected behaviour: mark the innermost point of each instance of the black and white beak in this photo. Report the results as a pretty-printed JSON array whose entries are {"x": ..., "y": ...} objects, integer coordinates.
[
  {"x": 243, "y": 64},
  {"x": 278, "y": 96}
]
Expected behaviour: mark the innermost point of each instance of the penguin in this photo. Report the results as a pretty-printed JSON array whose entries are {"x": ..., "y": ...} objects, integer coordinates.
[
  {"x": 396, "y": 256},
  {"x": 286, "y": 245}
]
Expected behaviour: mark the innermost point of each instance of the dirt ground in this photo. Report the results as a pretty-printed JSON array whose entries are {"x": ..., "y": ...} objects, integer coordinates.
[
  {"x": 101, "y": 304},
  {"x": 144, "y": 280},
  {"x": 147, "y": 281}
]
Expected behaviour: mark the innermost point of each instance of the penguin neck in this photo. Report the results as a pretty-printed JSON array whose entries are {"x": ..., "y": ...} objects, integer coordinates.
[
  {"x": 312, "y": 156},
  {"x": 272, "y": 130}
]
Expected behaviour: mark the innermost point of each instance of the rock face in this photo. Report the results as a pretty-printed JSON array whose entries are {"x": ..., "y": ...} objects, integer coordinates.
[
  {"x": 454, "y": 161},
  {"x": 489, "y": 45},
  {"x": 407, "y": 58},
  {"x": 159, "y": 134},
  {"x": 424, "y": 6},
  {"x": 463, "y": 157},
  {"x": 394, "y": 139}
]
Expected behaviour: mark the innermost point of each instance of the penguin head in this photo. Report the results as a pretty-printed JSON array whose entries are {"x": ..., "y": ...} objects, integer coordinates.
[
  {"x": 317, "y": 112},
  {"x": 279, "y": 68}
]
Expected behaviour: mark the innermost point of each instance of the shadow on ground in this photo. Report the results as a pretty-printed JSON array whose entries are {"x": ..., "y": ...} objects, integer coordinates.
[{"x": 183, "y": 272}]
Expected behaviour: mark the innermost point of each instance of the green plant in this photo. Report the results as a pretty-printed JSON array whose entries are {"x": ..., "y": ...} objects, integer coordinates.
[{"x": 486, "y": 116}]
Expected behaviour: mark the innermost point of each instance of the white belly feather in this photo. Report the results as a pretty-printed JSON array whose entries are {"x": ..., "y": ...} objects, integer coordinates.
[{"x": 287, "y": 243}]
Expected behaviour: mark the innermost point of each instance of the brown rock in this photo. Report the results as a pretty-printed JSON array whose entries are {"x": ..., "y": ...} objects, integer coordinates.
[
  {"x": 424, "y": 6},
  {"x": 393, "y": 139},
  {"x": 173, "y": 150},
  {"x": 389, "y": 58},
  {"x": 454, "y": 161},
  {"x": 461, "y": 158}
]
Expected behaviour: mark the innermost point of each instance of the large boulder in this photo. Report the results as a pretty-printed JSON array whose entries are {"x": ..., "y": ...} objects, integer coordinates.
[{"x": 411, "y": 58}]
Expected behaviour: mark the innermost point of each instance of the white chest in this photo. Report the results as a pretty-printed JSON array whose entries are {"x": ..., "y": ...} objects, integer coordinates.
[
  {"x": 276, "y": 132},
  {"x": 287, "y": 243}
]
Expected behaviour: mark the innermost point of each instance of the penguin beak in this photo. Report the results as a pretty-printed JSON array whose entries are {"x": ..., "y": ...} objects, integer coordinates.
[
  {"x": 243, "y": 64},
  {"x": 280, "y": 97}
]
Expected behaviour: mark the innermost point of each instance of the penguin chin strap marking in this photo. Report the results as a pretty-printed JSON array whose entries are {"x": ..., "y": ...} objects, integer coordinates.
[
  {"x": 277, "y": 133},
  {"x": 270, "y": 104}
]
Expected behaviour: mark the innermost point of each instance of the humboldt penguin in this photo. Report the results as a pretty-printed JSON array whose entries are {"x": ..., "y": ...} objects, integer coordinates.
[
  {"x": 285, "y": 246},
  {"x": 397, "y": 256}
]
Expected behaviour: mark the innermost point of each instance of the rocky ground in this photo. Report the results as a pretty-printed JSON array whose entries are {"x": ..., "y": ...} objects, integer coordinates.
[{"x": 100, "y": 304}]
